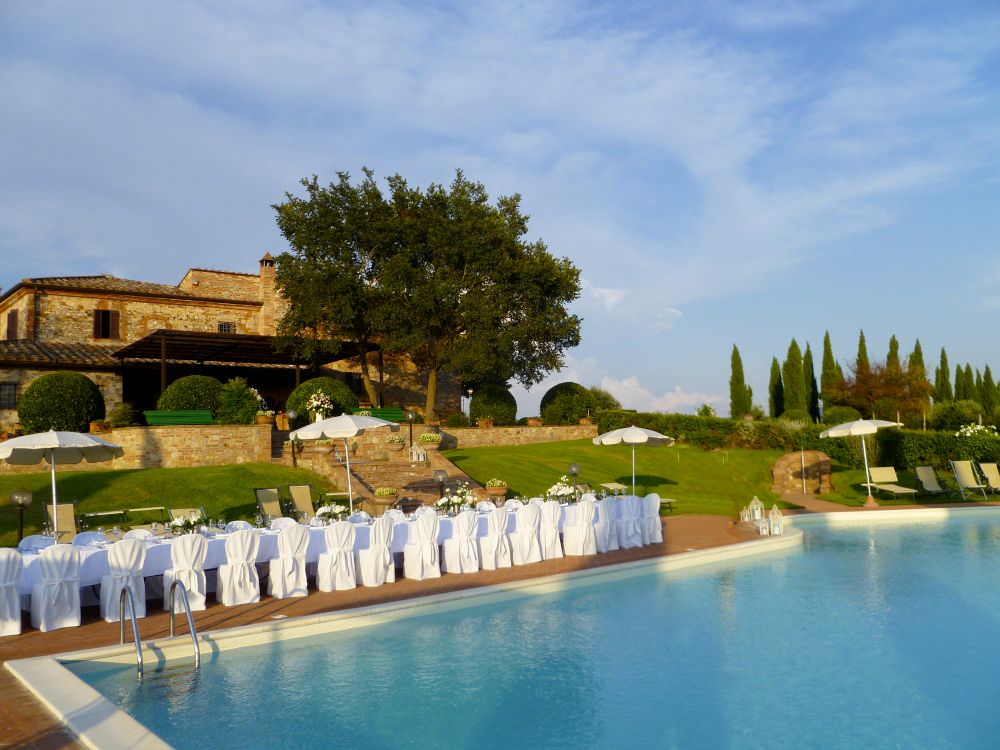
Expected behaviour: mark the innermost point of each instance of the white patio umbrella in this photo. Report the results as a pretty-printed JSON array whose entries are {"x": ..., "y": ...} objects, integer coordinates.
[
  {"x": 57, "y": 448},
  {"x": 860, "y": 428},
  {"x": 633, "y": 436},
  {"x": 345, "y": 426}
]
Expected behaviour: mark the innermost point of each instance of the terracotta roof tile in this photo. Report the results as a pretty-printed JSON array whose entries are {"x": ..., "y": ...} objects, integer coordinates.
[
  {"x": 24, "y": 352},
  {"x": 106, "y": 283}
]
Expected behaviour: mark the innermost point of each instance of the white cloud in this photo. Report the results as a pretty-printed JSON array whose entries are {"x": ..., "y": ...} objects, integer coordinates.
[
  {"x": 633, "y": 395},
  {"x": 610, "y": 297}
]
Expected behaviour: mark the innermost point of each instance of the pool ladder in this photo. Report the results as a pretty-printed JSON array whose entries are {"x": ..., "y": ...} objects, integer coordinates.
[{"x": 127, "y": 596}]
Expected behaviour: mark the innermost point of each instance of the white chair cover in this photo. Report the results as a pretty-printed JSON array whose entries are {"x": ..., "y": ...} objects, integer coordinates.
[
  {"x": 375, "y": 565},
  {"x": 283, "y": 523},
  {"x": 238, "y": 582},
  {"x": 238, "y": 526},
  {"x": 187, "y": 558},
  {"x": 537, "y": 501},
  {"x": 580, "y": 536},
  {"x": 396, "y": 514},
  {"x": 629, "y": 525},
  {"x": 87, "y": 538},
  {"x": 494, "y": 548},
  {"x": 138, "y": 534},
  {"x": 486, "y": 505},
  {"x": 11, "y": 565},
  {"x": 335, "y": 570},
  {"x": 461, "y": 551},
  {"x": 548, "y": 532},
  {"x": 287, "y": 575},
  {"x": 606, "y": 529},
  {"x": 524, "y": 545},
  {"x": 513, "y": 504},
  {"x": 55, "y": 602},
  {"x": 430, "y": 509},
  {"x": 359, "y": 516},
  {"x": 35, "y": 543},
  {"x": 125, "y": 561},
  {"x": 421, "y": 555},
  {"x": 652, "y": 527}
]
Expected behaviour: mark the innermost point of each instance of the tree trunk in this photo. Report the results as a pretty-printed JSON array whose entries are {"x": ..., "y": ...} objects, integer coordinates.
[
  {"x": 430, "y": 414},
  {"x": 366, "y": 377}
]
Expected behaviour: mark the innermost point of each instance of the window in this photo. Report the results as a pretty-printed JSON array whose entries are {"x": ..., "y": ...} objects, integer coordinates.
[
  {"x": 12, "y": 325},
  {"x": 8, "y": 395},
  {"x": 106, "y": 324},
  {"x": 227, "y": 327}
]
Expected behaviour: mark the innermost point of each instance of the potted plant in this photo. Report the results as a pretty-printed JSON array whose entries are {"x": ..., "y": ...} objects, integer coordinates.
[
  {"x": 430, "y": 440},
  {"x": 483, "y": 422},
  {"x": 99, "y": 425},
  {"x": 534, "y": 421},
  {"x": 496, "y": 488},
  {"x": 395, "y": 441},
  {"x": 383, "y": 492},
  {"x": 294, "y": 445},
  {"x": 319, "y": 446},
  {"x": 265, "y": 416}
]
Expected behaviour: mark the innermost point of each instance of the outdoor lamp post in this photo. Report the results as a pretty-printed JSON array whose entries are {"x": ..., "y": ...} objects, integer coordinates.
[
  {"x": 409, "y": 417},
  {"x": 440, "y": 476},
  {"x": 20, "y": 499},
  {"x": 291, "y": 414},
  {"x": 574, "y": 470},
  {"x": 469, "y": 393}
]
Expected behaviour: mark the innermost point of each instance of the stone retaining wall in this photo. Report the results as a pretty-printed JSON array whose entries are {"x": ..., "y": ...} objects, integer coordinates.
[{"x": 476, "y": 437}]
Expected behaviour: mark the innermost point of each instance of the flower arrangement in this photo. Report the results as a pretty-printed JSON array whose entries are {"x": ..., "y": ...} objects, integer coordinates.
[
  {"x": 324, "y": 441},
  {"x": 561, "y": 490},
  {"x": 430, "y": 437},
  {"x": 186, "y": 525},
  {"x": 363, "y": 412},
  {"x": 265, "y": 412},
  {"x": 395, "y": 438},
  {"x": 335, "y": 511},
  {"x": 385, "y": 492},
  {"x": 320, "y": 403},
  {"x": 496, "y": 483},
  {"x": 462, "y": 495}
]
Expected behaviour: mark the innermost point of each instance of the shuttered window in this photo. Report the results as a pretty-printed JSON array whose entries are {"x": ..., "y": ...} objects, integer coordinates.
[
  {"x": 12, "y": 325},
  {"x": 106, "y": 324},
  {"x": 8, "y": 395}
]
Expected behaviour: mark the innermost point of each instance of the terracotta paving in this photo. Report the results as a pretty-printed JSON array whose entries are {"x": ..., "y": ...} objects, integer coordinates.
[{"x": 25, "y": 723}]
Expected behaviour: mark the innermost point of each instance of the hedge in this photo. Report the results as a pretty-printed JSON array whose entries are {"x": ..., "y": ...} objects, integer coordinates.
[
  {"x": 567, "y": 403},
  {"x": 60, "y": 401},
  {"x": 238, "y": 404},
  {"x": 494, "y": 402},
  {"x": 191, "y": 392}
]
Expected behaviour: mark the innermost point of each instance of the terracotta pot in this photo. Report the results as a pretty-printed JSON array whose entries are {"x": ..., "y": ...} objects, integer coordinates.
[
  {"x": 263, "y": 419},
  {"x": 584, "y": 420},
  {"x": 395, "y": 446},
  {"x": 98, "y": 426},
  {"x": 534, "y": 422},
  {"x": 484, "y": 422},
  {"x": 318, "y": 449},
  {"x": 430, "y": 446},
  {"x": 496, "y": 491}
]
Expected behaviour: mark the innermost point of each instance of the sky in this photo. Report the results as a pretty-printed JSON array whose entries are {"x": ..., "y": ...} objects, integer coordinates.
[{"x": 721, "y": 172}]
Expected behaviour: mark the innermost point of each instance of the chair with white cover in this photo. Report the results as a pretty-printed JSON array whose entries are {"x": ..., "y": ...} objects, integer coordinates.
[
  {"x": 524, "y": 544},
  {"x": 283, "y": 523},
  {"x": 287, "y": 577},
  {"x": 539, "y": 501},
  {"x": 629, "y": 526},
  {"x": 142, "y": 534},
  {"x": 238, "y": 526},
  {"x": 375, "y": 565},
  {"x": 55, "y": 602},
  {"x": 35, "y": 543},
  {"x": 494, "y": 548},
  {"x": 461, "y": 551},
  {"x": 513, "y": 504},
  {"x": 548, "y": 530},
  {"x": 87, "y": 538},
  {"x": 396, "y": 515},
  {"x": 335, "y": 570},
  {"x": 484, "y": 505},
  {"x": 652, "y": 527},
  {"x": 238, "y": 582},
  {"x": 580, "y": 531},
  {"x": 359, "y": 516},
  {"x": 125, "y": 561},
  {"x": 187, "y": 565},
  {"x": 11, "y": 565},
  {"x": 421, "y": 555},
  {"x": 424, "y": 509},
  {"x": 606, "y": 527}
]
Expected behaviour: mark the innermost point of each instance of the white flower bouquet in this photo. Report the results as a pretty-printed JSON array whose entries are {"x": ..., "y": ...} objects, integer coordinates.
[{"x": 562, "y": 491}]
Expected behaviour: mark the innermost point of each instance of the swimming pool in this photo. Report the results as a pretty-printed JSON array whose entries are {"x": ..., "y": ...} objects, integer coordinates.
[{"x": 870, "y": 635}]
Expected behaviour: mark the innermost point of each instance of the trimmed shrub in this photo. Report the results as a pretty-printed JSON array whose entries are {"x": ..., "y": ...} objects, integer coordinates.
[
  {"x": 340, "y": 395},
  {"x": 192, "y": 392},
  {"x": 567, "y": 403},
  {"x": 60, "y": 401},
  {"x": 840, "y": 414},
  {"x": 796, "y": 415},
  {"x": 457, "y": 420},
  {"x": 493, "y": 401},
  {"x": 238, "y": 403},
  {"x": 950, "y": 415},
  {"x": 123, "y": 415}
]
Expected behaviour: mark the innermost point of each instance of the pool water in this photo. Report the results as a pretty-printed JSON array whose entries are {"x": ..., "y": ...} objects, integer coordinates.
[{"x": 869, "y": 636}]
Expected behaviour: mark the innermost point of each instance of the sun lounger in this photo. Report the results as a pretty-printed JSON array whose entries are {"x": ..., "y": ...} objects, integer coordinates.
[
  {"x": 928, "y": 480},
  {"x": 884, "y": 479},
  {"x": 66, "y": 513},
  {"x": 144, "y": 518},
  {"x": 176, "y": 513},
  {"x": 967, "y": 478},
  {"x": 99, "y": 519},
  {"x": 301, "y": 495},
  {"x": 268, "y": 501},
  {"x": 992, "y": 476}
]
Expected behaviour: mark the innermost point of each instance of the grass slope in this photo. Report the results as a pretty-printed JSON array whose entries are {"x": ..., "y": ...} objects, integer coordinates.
[{"x": 224, "y": 491}]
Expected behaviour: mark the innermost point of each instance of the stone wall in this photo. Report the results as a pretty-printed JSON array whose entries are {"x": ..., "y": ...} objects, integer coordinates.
[
  {"x": 787, "y": 473},
  {"x": 227, "y": 284},
  {"x": 109, "y": 383},
  {"x": 475, "y": 437},
  {"x": 171, "y": 447}
]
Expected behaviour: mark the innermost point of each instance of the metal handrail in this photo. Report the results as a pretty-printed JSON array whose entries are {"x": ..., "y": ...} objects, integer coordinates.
[
  {"x": 187, "y": 610},
  {"x": 126, "y": 595}
]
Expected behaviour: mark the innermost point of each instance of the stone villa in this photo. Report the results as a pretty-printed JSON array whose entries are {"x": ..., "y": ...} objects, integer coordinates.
[{"x": 132, "y": 338}]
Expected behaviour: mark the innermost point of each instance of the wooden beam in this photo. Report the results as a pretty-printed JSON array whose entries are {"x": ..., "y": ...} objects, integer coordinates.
[
  {"x": 381, "y": 381},
  {"x": 163, "y": 364}
]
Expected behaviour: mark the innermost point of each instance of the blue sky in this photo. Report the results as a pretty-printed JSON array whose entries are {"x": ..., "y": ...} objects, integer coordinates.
[{"x": 721, "y": 172}]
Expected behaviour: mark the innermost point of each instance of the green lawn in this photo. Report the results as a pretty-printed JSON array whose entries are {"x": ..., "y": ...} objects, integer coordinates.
[
  {"x": 224, "y": 491},
  {"x": 715, "y": 482},
  {"x": 848, "y": 490}
]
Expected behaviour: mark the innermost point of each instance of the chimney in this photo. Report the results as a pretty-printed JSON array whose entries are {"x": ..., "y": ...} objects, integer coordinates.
[{"x": 267, "y": 325}]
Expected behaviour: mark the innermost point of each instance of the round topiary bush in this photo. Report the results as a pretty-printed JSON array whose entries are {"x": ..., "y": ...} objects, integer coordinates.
[
  {"x": 341, "y": 398},
  {"x": 191, "y": 392},
  {"x": 457, "y": 420},
  {"x": 60, "y": 401},
  {"x": 238, "y": 403},
  {"x": 567, "y": 403},
  {"x": 494, "y": 402},
  {"x": 950, "y": 415},
  {"x": 123, "y": 415},
  {"x": 797, "y": 415},
  {"x": 840, "y": 414}
]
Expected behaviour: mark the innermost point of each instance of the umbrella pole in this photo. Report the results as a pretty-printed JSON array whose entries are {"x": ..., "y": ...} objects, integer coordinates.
[
  {"x": 870, "y": 502},
  {"x": 55, "y": 510},
  {"x": 633, "y": 470},
  {"x": 350, "y": 487}
]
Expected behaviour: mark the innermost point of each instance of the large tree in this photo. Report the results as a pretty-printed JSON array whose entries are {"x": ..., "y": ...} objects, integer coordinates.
[
  {"x": 740, "y": 395},
  {"x": 862, "y": 367},
  {"x": 775, "y": 391},
  {"x": 831, "y": 376},
  {"x": 469, "y": 294},
  {"x": 918, "y": 388},
  {"x": 793, "y": 380},
  {"x": 812, "y": 389},
  {"x": 942, "y": 380},
  {"x": 989, "y": 392}
]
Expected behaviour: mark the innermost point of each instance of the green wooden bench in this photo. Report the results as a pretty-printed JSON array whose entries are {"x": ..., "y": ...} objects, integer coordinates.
[
  {"x": 179, "y": 416},
  {"x": 391, "y": 414}
]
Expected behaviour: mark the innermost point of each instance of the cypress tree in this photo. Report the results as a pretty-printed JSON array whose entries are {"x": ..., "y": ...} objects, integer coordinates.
[
  {"x": 961, "y": 391},
  {"x": 893, "y": 368},
  {"x": 831, "y": 378},
  {"x": 740, "y": 396},
  {"x": 862, "y": 367},
  {"x": 793, "y": 380},
  {"x": 970, "y": 383},
  {"x": 942, "y": 380},
  {"x": 812, "y": 389},
  {"x": 775, "y": 391},
  {"x": 977, "y": 387},
  {"x": 989, "y": 394},
  {"x": 916, "y": 378}
]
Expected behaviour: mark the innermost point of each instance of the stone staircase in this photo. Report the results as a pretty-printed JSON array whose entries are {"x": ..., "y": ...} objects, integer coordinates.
[{"x": 278, "y": 437}]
